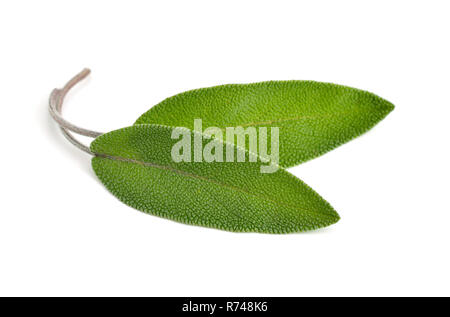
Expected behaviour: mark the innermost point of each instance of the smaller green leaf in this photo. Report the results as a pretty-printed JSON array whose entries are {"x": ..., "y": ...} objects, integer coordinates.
[{"x": 136, "y": 165}]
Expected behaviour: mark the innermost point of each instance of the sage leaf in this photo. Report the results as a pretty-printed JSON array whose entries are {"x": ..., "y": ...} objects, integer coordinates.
[
  {"x": 135, "y": 164},
  {"x": 313, "y": 117}
]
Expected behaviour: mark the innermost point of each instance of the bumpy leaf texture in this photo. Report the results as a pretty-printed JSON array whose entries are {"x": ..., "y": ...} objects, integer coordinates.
[
  {"x": 313, "y": 117},
  {"x": 136, "y": 165}
]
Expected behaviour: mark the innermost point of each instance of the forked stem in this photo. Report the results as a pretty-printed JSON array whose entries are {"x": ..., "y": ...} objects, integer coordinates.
[{"x": 55, "y": 105}]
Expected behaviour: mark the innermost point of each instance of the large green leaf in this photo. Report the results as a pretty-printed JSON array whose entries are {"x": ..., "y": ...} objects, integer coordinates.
[
  {"x": 136, "y": 165},
  {"x": 313, "y": 117}
]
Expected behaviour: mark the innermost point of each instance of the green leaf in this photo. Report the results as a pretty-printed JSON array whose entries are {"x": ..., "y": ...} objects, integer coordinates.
[
  {"x": 136, "y": 165},
  {"x": 313, "y": 117}
]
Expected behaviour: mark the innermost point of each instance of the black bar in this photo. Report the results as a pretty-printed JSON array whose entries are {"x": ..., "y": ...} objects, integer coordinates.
[{"x": 221, "y": 306}]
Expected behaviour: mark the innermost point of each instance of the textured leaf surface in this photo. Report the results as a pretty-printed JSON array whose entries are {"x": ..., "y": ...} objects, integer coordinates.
[
  {"x": 313, "y": 117},
  {"x": 135, "y": 164}
]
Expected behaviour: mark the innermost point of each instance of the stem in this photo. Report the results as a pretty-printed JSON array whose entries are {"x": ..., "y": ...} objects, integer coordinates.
[{"x": 55, "y": 105}]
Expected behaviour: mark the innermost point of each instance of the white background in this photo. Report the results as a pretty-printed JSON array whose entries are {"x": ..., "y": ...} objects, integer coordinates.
[{"x": 62, "y": 233}]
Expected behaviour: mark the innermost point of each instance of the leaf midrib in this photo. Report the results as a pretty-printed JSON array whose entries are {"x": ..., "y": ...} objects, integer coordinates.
[{"x": 298, "y": 118}]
